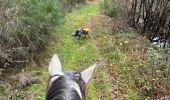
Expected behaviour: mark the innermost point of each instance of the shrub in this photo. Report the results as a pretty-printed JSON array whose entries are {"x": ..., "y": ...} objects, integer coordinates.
[
  {"x": 111, "y": 8},
  {"x": 25, "y": 27},
  {"x": 68, "y": 5},
  {"x": 156, "y": 83}
]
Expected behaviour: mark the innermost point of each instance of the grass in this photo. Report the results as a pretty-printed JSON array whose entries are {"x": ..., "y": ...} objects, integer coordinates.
[
  {"x": 74, "y": 54},
  {"x": 79, "y": 54},
  {"x": 122, "y": 54}
]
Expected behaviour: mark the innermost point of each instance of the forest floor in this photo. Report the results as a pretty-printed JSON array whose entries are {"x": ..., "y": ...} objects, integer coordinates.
[{"x": 117, "y": 52}]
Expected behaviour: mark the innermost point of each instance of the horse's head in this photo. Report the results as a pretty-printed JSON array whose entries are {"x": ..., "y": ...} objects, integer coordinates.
[{"x": 69, "y": 85}]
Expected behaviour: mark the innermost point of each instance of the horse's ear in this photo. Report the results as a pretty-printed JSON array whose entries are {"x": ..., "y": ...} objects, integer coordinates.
[
  {"x": 55, "y": 66},
  {"x": 87, "y": 74}
]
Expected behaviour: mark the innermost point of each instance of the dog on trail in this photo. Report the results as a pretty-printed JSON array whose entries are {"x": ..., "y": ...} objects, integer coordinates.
[{"x": 82, "y": 31}]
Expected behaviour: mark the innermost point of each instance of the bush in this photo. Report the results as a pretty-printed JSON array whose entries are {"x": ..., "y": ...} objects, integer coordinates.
[
  {"x": 111, "y": 8},
  {"x": 68, "y": 5},
  {"x": 25, "y": 27}
]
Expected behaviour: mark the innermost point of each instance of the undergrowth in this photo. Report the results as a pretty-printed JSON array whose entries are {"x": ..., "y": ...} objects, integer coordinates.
[{"x": 25, "y": 28}]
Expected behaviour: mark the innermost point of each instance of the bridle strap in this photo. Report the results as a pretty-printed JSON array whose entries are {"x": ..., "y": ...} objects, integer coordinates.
[
  {"x": 77, "y": 72},
  {"x": 55, "y": 75}
]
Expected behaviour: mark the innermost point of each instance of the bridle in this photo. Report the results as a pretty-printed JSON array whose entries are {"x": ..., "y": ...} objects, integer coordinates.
[
  {"x": 76, "y": 73},
  {"x": 54, "y": 76}
]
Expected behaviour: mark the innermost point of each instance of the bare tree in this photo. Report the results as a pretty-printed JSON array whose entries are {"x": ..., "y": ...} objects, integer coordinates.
[{"x": 152, "y": 18}]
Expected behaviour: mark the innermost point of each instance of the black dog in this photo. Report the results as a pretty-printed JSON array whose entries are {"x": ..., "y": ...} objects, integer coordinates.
[{"x": 82, "y": 31}]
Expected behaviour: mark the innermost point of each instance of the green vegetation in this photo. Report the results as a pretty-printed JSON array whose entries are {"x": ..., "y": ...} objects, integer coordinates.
[
  {"x": 129, "y": 68},
  {"x": 74, "y": 54},
  {"x": 111, "y": 8},
  {"x": 25, "y": 29}
]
